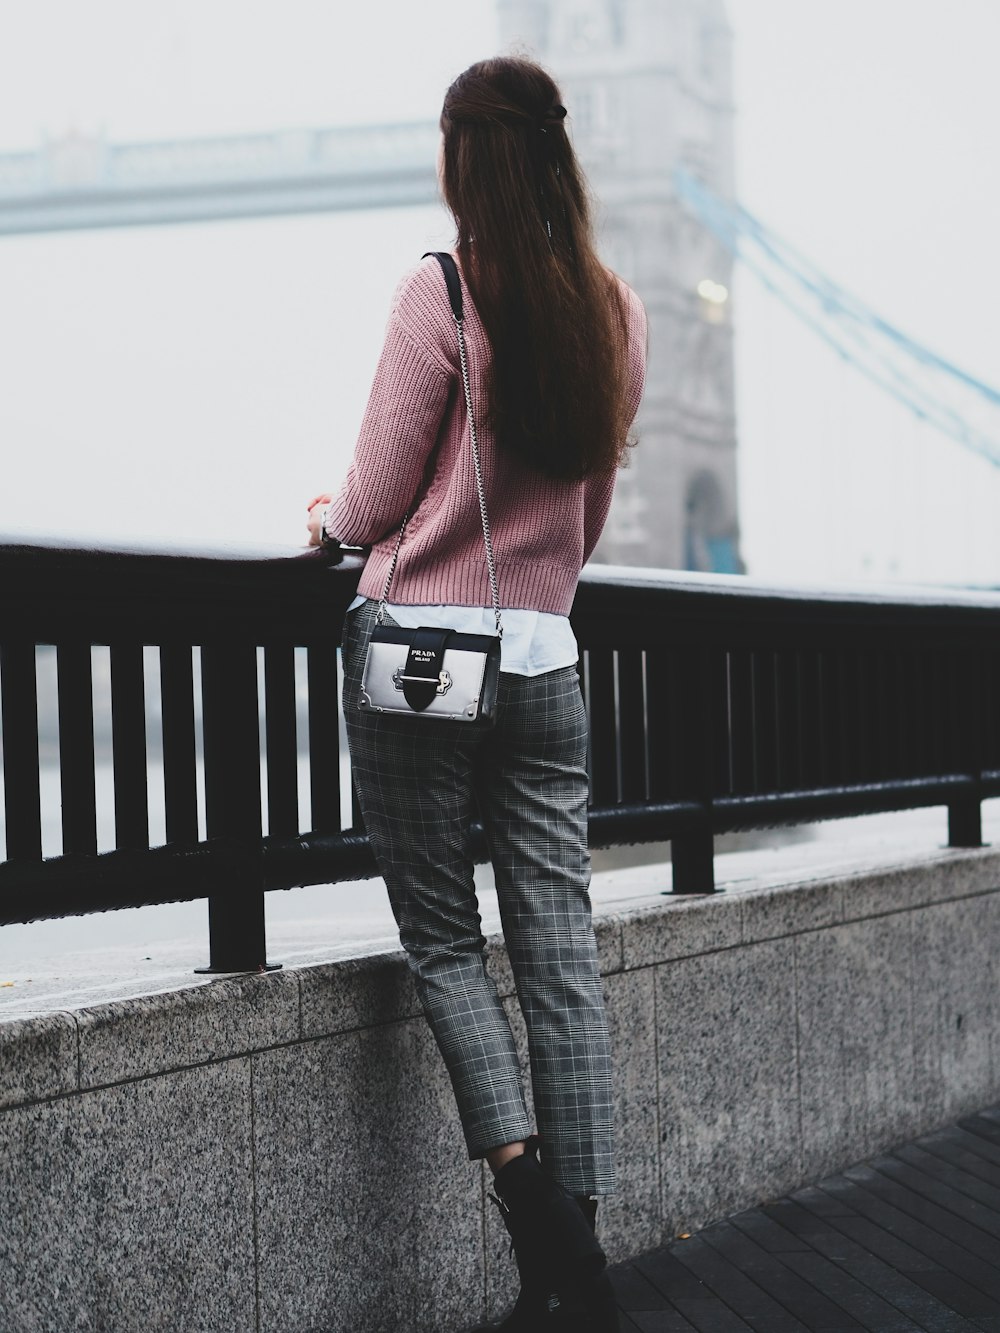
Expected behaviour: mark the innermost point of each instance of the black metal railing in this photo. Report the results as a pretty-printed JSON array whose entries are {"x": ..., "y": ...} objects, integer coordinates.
[{"x": 715, "y": 703}]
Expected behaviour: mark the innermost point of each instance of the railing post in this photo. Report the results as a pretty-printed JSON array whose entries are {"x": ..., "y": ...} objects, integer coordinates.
[
  {"x": 965, "y": 819},
  {"x": 232, "y": 807},
  {"x": 692, "y": 857},
  {"x": 965, "y": 824},
  {"x": 19, "y": 727},
  {"x": 692, "y": 853}
]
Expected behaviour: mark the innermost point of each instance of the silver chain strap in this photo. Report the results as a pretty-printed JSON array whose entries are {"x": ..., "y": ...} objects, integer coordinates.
[{"x": 487, "y": 538}]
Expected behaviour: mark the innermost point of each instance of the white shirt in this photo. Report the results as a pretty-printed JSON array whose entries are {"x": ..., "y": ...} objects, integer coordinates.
[{"x": 533, "y": 641}]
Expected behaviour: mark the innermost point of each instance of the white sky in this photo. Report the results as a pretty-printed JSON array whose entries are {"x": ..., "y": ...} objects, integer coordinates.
[{"x": 205, "y": 380}]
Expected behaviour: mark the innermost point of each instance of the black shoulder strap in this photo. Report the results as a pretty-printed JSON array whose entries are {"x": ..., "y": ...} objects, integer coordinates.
[{"x": 450, "y": 269}]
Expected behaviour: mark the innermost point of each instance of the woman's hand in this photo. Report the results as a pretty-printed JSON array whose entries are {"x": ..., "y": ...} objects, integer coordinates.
[{"x": 315, "y": 508}]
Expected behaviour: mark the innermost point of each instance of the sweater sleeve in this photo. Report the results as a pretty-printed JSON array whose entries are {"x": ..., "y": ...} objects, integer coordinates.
[{"x": 398, "y": 433}]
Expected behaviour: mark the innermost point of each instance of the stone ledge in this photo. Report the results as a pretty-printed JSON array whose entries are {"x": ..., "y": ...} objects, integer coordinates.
[
  {"x": 153, "y": 1034},
  {"x": 763, "y": 1037},
  {"x": 39, "y": 1058},
  {"x": 236, "y": 1014}
]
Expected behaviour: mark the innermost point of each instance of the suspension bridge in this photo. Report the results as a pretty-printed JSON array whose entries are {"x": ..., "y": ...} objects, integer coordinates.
[{"x": 82, "y": 181}]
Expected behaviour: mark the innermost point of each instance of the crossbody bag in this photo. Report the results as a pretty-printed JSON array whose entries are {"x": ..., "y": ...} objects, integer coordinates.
[{"x": 433, "y": 672}]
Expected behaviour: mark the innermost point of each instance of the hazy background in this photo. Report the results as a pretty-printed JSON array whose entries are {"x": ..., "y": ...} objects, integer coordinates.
[{"x": 205, "y": 380}]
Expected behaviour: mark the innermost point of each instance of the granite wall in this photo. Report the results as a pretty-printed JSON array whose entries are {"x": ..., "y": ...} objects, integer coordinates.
[{"x": 280, "y": 1153}]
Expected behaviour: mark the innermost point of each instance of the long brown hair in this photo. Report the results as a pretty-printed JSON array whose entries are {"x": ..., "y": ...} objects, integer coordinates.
[{"x": 553, "y": 313}]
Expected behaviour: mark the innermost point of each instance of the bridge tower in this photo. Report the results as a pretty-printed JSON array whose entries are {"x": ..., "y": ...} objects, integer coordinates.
[{"x": 648, "y": 85}]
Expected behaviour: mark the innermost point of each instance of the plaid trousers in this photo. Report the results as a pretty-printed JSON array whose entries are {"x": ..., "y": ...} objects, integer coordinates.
[{"x": 420, "y": 783}]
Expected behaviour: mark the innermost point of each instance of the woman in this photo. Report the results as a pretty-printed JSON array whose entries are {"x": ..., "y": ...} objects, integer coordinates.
[{"x": 556, "y": 350}]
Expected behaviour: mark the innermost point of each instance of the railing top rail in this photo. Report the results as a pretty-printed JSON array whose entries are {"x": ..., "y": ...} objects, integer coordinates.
[
  {"x": 160, "y": 588},
  {"x": 689, "y": 584},
  {"x": 680, "y": 583},
  {"x": 157, "y": 592},
  {"x": 20, "y": 544},
  {"x": 686, "y": 587}
]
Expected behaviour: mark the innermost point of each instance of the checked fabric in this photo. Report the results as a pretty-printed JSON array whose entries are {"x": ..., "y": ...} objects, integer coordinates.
[{"x": 420, "y": 783}]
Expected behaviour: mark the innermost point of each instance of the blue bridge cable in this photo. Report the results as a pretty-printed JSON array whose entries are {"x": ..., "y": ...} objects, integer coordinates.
[
  {"x": 894, "y": 378},
  {"x": 720, "y": 224},
  {"x": 883, "y": 353},
  {"x": 836, "y": 301},
  {"x": 851, "y": 304},
  {"x": 712, "y": 207},
  {"x": 728, "y": 222}
]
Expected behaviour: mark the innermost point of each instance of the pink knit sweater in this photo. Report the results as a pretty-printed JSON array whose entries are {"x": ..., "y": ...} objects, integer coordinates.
[{"x": 414, "y": 450}]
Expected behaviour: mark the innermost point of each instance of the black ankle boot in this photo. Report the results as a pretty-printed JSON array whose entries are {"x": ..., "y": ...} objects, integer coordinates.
[
  {"x": 535, "y": 1300},
  {"x": 547, "y": 1218},
  {"x": 560, "y": 1263}
]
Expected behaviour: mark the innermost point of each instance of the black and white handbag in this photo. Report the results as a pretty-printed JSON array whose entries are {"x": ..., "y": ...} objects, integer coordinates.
[{"x": 432, "y": 672}]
